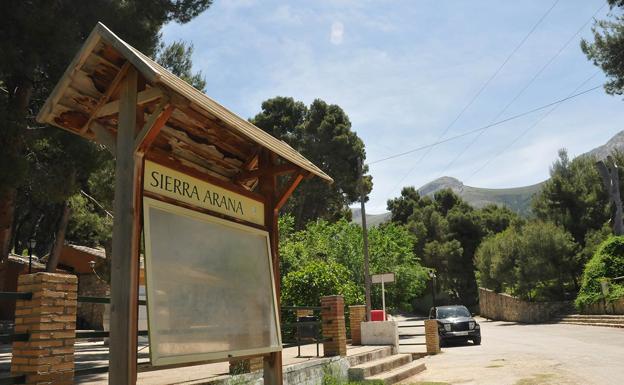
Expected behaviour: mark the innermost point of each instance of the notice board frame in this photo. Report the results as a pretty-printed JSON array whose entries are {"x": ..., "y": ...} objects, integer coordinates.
[{"x": 152, "y": 203}]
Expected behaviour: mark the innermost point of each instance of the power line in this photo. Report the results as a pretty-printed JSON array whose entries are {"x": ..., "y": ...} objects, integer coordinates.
[
  {"x": 480, "y": 91},
  {"x": 529, "y": 83},
  {"x": 485, "y": 127},
  {"x": 541, "y": 119}
]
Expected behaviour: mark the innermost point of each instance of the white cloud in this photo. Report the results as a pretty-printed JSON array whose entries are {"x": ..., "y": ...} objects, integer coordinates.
[{"x": 337, "y": 33}]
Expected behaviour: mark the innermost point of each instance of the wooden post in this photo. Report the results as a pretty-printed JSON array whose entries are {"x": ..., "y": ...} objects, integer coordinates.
[
  {"x": 125, "y": 252},
  {"x": 268, "y": 184}
]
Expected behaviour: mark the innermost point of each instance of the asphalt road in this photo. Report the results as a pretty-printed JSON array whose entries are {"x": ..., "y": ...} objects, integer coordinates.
[{"x": 516, "y": 354}]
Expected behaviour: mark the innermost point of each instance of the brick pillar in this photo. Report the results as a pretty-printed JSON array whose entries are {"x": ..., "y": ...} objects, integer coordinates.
[
  {"x": 432, "y": 337},
  {"x": 50, "y": 318},
  {"x": 247, "y": 365},
  {"x": 357, "y": 315},
  {"x": 332, "y": 315}
]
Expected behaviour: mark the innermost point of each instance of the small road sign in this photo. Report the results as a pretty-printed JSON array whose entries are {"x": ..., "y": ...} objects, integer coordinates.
[{"x": 383, "y": 278}]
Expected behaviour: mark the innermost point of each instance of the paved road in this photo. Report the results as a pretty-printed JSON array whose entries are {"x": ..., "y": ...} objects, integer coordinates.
[{"x": 550, "y": 354}]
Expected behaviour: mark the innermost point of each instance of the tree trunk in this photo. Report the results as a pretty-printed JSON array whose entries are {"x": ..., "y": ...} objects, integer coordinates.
[
  {"x": 20, "y": 91},
  {"x": 59, "y": 241},
  {"x": 7, "y": 212}
]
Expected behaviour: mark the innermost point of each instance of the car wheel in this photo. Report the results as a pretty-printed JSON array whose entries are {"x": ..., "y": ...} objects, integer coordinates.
[
  {"x": 442, "y": 343},
  {"x": 476, "y": 340}
]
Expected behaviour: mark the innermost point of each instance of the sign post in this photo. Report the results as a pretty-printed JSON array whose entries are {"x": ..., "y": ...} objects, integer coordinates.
[{"x": 383, "y": 278}]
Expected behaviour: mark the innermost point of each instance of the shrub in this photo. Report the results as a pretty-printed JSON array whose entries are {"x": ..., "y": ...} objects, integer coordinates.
[{"x": 607, "y": 262}]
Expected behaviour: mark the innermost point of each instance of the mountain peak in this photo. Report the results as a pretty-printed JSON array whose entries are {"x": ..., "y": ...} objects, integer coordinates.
[{"x": 441, "y": 183}]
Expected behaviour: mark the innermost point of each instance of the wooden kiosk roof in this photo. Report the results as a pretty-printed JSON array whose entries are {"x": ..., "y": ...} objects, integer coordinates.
[
  {"x": 198, "y": 133},
  {"x": 114, "y": 95}
]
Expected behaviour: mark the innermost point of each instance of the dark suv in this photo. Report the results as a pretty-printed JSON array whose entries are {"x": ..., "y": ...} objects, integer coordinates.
[{"x": 456, "y": 323}]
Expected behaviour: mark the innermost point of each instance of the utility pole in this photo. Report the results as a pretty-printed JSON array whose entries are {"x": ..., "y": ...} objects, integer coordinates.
[{"x": 367, "y": 277}]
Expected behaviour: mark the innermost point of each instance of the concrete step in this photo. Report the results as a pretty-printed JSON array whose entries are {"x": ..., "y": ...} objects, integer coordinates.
[
  {"x": 601, "y": 316},
  {"x": 398, "y": 374},
  {"x": 361, "y": 358},
  {"x": 368, "y": 369},
  {"x": 611, "y": 325},
  {"x": 592, "y": 320}
]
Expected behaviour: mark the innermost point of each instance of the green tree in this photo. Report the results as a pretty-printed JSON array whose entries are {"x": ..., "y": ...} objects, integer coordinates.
[
  {"x": 322, "y": 133},
  {"x": 607, "y": 49},
  {"x": 448, "y": 232},
  {"x": 37, "y": 40},
  {"x": 315, "y": 279},
  {"x": 528, "y": 260},
  {"x": 177, "y": 58},
  {"x": 391, "y": 250},
  {"x": 575, "y": 199}
]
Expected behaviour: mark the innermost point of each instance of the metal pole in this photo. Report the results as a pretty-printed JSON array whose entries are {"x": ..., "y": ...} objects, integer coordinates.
[
  {"x": 433, "y": 290},
  {"x": 383, "y": 298},
  {"x": 367, "y": 278}
]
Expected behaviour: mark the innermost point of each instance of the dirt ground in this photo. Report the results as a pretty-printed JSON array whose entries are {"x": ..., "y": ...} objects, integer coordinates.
[{"x": 516, "y": 354}]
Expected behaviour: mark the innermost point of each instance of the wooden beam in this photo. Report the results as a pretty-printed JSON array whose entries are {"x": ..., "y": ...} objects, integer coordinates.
[
  {"x": 268, "y": 183},
  {"x": 152, "y": 127},
  {"x": 143, "y": 97},
  {"x": 283, "y": 197},
  {"x": 111, "y": 88},
  {"x": 277, "y": 170},
  {"x": 126, "y": 234}
]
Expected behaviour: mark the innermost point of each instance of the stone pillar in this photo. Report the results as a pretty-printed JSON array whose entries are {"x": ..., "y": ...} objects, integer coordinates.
[
  {"x": 50, "y": 318},
  {"x": 357, "y": 315},
  {"x": 247, "y": 365},
  {"x": 432, "y": 337},
  {"x": 334, "y": 331}
]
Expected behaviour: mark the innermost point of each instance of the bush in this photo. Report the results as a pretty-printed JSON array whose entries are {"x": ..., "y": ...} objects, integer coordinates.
[
  {"x": 316, "y": 279},
  {"x": 607, "y": 262}
]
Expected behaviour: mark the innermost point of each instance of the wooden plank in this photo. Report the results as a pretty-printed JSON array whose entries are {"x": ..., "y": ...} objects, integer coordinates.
[
  {"x": 283, "y": 197},
  {"x": 277, "y": 170},
  {"x": 143, "y": 97},
  {"x": 111, "y": 88},
  {"x": 152, "y": 127},
  {"x": 81, "y": 56},
  {"x": 161, "y": 157},
  {"x": 268, "y": 183},
  {"x": 125, "y": 252}
]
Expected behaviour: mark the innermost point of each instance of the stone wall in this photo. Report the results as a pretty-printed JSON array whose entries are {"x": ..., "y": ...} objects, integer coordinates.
[
  {"x": 503, "y": 307},
  {"x": 616, "y": 307},
  {"x": 91, "y": 315}
]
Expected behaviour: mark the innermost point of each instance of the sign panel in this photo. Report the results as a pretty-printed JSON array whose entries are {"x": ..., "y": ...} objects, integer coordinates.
[
  {"x": 385, "y": 278},
  {"x": 185, "y": 188},
  {"x": 210, "y": 288}
]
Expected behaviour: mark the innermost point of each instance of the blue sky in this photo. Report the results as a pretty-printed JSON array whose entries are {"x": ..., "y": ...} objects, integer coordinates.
[{"x": 403, "y": 70}]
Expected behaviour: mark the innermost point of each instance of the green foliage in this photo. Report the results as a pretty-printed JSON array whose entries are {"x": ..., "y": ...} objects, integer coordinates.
[
  {"x": 322, "y": 133},
  {"x": 530, "y": 261},
  {"x": 176, "y": 57},
  {"x": 447, "y": 232},
  {"x": 607, "y": 262},
  {"x": 319, "y": 256},
  {"x": 575, "y": 199},
  {"x": 87, "y": 226},
  {"x": 607, "y": 49},
  {"x": 316, "y": 279}
]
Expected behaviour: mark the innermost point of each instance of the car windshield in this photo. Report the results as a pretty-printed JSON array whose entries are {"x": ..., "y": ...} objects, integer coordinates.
[{"x": 453, "y": 312}]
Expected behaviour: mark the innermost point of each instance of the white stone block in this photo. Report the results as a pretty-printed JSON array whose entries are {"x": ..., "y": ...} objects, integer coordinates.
[{"x": 381, "y": 333}]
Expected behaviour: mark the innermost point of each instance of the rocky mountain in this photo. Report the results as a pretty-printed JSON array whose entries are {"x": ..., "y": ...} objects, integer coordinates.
[
  {"x": 518, "y": 199},
  {"x": 616, "y": 143},
  {"x": 371, "y": 220}
]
